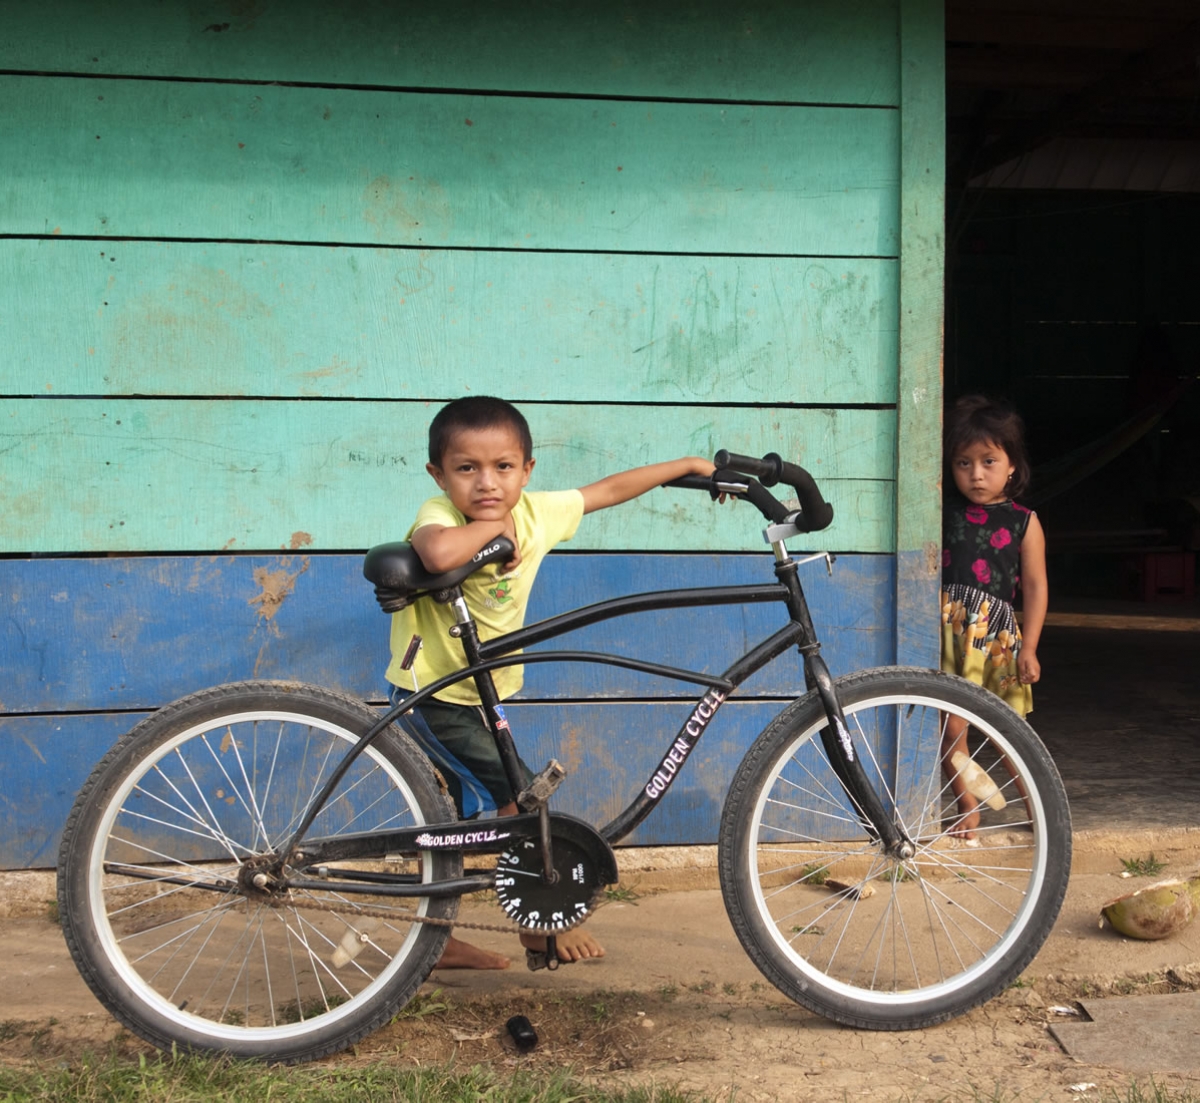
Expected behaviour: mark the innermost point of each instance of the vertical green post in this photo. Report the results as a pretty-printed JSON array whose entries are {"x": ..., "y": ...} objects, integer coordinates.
[{"x": 919, "y": 386}]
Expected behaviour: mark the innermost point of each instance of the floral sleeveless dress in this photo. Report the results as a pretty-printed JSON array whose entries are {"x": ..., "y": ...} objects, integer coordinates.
[{"x": 981, "y": 562}]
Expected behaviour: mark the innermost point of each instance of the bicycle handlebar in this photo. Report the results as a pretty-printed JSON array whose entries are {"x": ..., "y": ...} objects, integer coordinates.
[{"x": 814, "y": 514}]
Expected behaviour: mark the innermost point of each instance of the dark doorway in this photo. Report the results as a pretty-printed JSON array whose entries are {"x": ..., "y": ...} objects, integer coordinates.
[{"x": 1073, "y": 290}]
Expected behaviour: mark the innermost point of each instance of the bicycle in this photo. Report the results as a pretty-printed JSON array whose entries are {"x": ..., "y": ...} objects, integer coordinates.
[{"x": 272, "y": 869}]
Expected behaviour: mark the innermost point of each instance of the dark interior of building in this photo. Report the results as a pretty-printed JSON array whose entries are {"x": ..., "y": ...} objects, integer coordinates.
[{"x": 1073, "y": 290}]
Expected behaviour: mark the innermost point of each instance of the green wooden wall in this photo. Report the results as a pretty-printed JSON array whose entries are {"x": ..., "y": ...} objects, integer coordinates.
[{"x": 247, "y": 250}]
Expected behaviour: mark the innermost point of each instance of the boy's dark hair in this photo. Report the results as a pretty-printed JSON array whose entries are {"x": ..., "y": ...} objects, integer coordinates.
[
  {"x": 476, "y": 412},
  {"x": 977, "y": 419}
]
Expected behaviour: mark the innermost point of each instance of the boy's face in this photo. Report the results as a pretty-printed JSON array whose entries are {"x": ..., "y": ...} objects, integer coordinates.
[{"x": 483, "y": 472}]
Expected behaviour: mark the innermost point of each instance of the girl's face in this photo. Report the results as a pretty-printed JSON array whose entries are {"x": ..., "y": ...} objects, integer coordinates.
[{"x": 981, "y": 472}]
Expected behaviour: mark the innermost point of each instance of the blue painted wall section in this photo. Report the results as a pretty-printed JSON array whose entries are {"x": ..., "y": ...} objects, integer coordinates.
[{"x": 92, "y": 644}]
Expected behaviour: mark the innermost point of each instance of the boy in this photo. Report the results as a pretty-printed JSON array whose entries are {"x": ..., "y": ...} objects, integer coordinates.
[{"x": 481, "y": 457}]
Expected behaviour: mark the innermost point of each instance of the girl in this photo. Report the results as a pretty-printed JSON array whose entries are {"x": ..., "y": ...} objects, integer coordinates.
[{"x": 991, "y": 547}]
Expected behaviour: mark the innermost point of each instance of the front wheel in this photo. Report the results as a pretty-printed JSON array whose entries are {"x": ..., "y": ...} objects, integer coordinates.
[
  {"x": 156, "y": 864},
  {"x": 882, "y": 942}
]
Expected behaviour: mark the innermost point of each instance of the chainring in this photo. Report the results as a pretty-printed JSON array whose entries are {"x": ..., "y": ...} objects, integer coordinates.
[{"x": 547, "y": 908}]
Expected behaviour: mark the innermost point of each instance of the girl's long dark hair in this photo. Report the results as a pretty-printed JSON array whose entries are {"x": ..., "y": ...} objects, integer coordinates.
[{"x": 977, "y": 419}]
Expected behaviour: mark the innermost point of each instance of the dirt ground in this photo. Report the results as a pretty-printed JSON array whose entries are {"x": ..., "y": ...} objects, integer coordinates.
[{"x": 676, "y": 1002}]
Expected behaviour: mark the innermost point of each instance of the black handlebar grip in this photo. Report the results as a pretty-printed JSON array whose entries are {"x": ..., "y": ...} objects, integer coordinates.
[
  {"x": 691, "y": 482},
  {"x": 818, "y": 513},
  {"x": 764, "y": 470},
  {"x": 771, "y": 469}
]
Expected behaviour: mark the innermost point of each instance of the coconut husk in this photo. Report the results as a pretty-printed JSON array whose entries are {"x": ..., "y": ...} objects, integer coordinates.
[{"x": 1157, "y": 911}]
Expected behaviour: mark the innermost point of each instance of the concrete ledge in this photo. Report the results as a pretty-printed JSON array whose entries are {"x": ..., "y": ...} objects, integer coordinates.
[
  {"x": 1102, "y": 851},
  {"x": 25, "y": 893}
]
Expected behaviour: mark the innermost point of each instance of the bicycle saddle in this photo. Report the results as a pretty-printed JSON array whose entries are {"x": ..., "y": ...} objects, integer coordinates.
[{"x": 399, "y": 576}]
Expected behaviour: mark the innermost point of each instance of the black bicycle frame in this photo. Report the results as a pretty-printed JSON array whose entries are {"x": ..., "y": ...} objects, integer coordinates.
[{"x": 496, "y": 653}]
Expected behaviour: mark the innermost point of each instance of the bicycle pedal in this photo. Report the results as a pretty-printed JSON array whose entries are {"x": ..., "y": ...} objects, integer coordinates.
[
  {"x": 540, "y": 959},
  {"x": 543, "y": 959},
  {"x": 539, "y": 790}
]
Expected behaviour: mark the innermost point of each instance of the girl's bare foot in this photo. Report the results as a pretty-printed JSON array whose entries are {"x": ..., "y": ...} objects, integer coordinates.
[
  {"x": 954, "y": 742},
  {"x": 462, "y": 955},
  {"x": 967, "y": 819},
  {"x": 573, "y": 945}
]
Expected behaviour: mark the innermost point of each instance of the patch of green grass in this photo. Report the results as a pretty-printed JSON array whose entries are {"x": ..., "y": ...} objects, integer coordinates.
[
  {"x": 185, "y": 1079},
  {"x": 898, "y": 874},
  {"x": 1151, "y": 1093},
  {"x": 1143, "y": 867},
  {"x": 52, "y": 912},
  {"x": 622, "y": 894},
  {"x": 814, "y": 875},
  {"x": 422, "y": 1005},
  {"x": 668, "y": 992},
  {"x": 293, "y": 1012}
]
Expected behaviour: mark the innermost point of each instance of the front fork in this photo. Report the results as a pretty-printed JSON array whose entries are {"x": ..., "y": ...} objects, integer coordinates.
[
  {"x": 844, "y": 758},
  {"x": 839, "y": 745}
]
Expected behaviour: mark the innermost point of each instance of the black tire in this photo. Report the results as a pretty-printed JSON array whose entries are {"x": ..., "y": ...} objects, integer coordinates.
[
  {"x": 860, "y": 937},
  {"x": 191, "y": 793}
]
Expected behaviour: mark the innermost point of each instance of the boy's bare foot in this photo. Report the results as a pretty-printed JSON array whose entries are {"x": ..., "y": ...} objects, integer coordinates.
[
  {"x": 573, "y": 945},
  {"x": 462, "y": 955}
]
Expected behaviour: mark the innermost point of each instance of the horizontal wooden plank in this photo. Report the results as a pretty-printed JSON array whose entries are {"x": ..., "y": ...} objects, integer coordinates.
[
  {"x": 111, "y": 318},
  {"x": 174, "y": 159},
  {"x": 135, "y": 632},
  {"x": 1081, "y": 352},
  {"x": 193, "y": 475},
  {"x": 825, "y": 51},
  {"x": 44, "y": 761}
]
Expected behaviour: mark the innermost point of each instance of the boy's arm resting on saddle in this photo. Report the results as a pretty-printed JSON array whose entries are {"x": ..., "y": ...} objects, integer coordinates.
[
  {"x": 1035, "y": 593},
  {"x": 444, "y": 547},
  {"x": 625, "y": 485}
]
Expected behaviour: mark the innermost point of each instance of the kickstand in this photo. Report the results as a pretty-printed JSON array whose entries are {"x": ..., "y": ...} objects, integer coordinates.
[{"x": 543, "y": 959}]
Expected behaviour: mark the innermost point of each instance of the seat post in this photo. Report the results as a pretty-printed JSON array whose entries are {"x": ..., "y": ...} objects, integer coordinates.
[{"x": 466, "y": 631}]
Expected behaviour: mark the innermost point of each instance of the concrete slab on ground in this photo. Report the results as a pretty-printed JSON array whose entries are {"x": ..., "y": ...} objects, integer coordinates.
[{"x": 1142, "y": 1034}]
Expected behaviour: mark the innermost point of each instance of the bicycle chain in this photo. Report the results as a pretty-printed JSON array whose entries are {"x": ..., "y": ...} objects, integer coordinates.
[{"x": 404, "y": 914}]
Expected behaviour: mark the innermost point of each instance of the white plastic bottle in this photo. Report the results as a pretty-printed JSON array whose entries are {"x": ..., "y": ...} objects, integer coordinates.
[
  {"x": 977, "y": 781},
  {"x": 354, "y": 941}
]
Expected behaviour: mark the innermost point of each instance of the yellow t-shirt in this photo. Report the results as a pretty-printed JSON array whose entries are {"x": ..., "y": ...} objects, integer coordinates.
[{"x": 497, "y": 600}]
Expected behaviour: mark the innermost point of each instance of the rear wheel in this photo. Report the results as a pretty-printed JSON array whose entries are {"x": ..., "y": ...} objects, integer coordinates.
[
  {"x": 860, "y": 936},
  {"x": 171, "y": 818}
]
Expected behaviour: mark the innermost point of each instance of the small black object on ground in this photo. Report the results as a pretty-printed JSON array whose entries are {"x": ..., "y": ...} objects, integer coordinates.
[{"x": 521, "y": 1031}]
